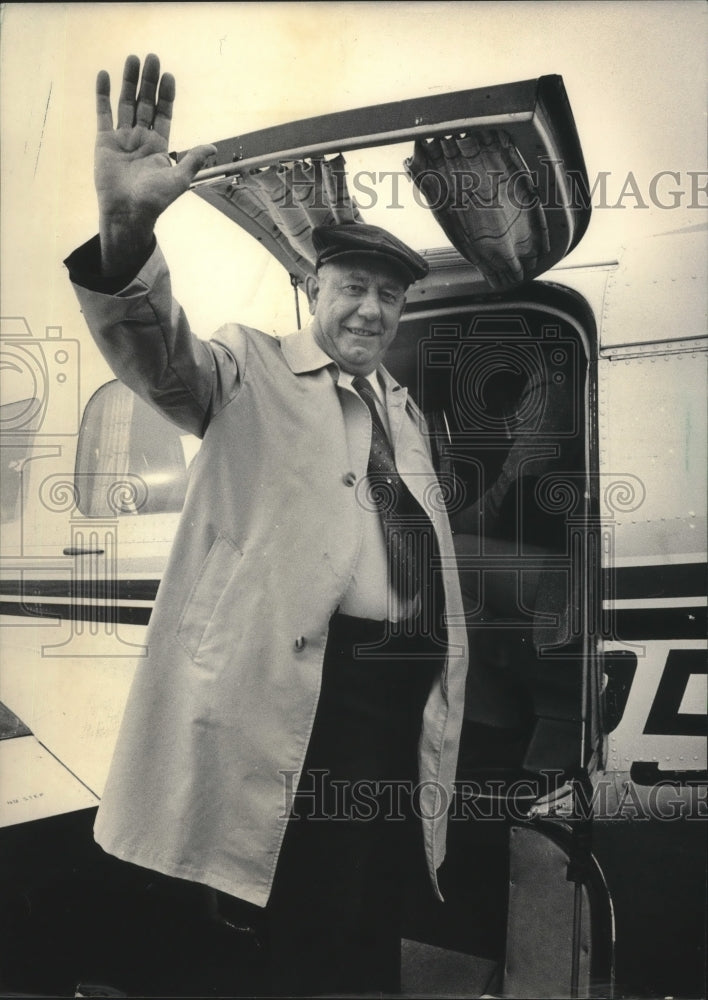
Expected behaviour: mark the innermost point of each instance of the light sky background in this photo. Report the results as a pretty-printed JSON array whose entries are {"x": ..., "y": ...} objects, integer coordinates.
[{"x": 635, "y": 74}]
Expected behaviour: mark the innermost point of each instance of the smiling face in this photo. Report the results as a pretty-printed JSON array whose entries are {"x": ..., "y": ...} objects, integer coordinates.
[{"x": 356, "y": 302}]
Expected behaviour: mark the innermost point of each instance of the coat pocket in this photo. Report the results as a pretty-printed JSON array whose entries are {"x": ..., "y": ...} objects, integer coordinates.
[{"x": 216, "y": 571}]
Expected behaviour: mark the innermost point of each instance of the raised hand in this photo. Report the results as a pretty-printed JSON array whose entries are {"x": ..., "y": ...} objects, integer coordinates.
[{"x": 135, "y": 178}]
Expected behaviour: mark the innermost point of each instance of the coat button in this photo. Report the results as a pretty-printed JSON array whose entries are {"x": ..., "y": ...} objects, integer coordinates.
[
  {"x": 349, "y": 478},
  {"x": 300, "y": 643}
]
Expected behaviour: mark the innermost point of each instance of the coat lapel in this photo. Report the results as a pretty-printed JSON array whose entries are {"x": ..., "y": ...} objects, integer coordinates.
[{"x": 302, "y": 352}]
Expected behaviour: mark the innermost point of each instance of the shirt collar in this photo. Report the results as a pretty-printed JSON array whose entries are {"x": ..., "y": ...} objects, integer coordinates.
[
  {"x": 346, "y": 378},
  {"x": 303, "y": 354}
]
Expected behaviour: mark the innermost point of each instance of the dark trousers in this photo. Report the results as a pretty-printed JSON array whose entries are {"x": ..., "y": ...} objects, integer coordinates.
[{"x": 335, "y": 911}]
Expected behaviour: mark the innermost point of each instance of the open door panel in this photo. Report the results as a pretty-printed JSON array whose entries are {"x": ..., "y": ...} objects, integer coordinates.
[{"x": 537, "y": 169}]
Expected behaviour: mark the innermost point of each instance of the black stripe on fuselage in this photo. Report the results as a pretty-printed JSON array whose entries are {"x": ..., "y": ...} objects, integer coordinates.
[
  {"x": 105, "y": 589},
  {"x": 633, "y": 623},
  {"x": 114, "y": 613},
  {"x": 631, "y": 583},
  {"x": 661, "y": 580},
  {"x": 657, "y": 623}
]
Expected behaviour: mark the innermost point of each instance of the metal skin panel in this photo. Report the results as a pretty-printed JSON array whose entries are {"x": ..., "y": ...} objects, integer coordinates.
[
  {"x": 540, "y": 922},
  {"x": 36, "y": 784},
  {"x": 652, "y": 431},
  {"x": 658, "y": 292},
  {"x": 653, "y": 494},
  {"x": 69, "y": 685}
]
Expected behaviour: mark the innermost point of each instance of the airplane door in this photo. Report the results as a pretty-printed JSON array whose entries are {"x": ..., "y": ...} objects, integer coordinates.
[{"x": 500, "y": 168}]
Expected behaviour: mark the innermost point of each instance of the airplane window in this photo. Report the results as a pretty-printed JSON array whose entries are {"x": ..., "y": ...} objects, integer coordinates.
[
  {"x": 14, "y": 416},
  {"x": 130, "y": 460}
]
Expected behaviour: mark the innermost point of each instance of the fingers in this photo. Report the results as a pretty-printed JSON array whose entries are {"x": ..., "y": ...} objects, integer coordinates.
[
  {"x": 126, "y": 103},
  {"x": 139, "y": 108},
  {"x": 165, "y": 100},
  {"x": 145, "y": 110},
  {"x": 104, "y": 114}
]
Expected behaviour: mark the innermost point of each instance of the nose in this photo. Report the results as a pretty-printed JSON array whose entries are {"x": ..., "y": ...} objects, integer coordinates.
[{"x": 369, "y": 306}]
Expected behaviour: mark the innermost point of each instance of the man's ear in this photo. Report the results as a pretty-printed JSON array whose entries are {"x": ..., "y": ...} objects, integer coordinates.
[{"x": 312, "y": 290}]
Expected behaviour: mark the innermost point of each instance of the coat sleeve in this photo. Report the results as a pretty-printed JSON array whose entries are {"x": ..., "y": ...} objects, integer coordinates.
[{"x": 146, "y": 339}]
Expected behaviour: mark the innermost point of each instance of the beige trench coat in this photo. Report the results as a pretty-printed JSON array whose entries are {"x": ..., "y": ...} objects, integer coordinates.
[{"x": 224, "y": 702}]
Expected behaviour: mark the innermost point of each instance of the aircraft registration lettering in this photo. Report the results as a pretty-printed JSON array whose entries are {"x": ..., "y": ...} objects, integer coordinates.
[{"x": 664, "y": 718}]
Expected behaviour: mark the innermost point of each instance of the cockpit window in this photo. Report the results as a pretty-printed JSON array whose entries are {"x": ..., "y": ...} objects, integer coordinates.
[
  {"x": 20, "y": 414},
  {"x": 129, "y": 460}
]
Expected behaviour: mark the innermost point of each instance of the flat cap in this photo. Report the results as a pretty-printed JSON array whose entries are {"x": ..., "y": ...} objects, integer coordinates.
[{"x": 357, "y": 237}]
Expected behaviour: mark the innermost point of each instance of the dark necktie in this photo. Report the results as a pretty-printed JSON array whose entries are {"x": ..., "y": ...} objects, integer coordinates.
[{"x": 407, "y": 528}]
